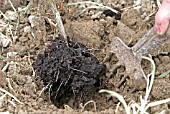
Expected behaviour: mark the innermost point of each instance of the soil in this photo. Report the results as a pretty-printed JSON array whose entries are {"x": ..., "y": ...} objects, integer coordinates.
[
  {"x": 36, "y": 54},
  {"x": 68, "y": 70}
]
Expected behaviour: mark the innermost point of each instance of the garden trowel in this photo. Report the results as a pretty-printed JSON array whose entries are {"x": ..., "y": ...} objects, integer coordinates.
[{"x": 131, "y": 57}]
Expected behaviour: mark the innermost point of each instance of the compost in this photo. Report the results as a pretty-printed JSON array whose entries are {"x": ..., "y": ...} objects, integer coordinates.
[{"x": 68, "y": 71}]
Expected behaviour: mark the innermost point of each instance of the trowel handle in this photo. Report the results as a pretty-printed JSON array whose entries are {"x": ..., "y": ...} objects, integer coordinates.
[{"x": 150, "y": 42}]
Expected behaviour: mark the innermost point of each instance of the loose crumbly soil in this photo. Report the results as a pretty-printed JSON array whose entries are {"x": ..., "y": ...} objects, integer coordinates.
[{"x": 38, "y": 46}]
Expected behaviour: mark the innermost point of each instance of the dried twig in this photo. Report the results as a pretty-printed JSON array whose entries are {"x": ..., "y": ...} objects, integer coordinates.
[
  {"x": 6, "y": 92},
  {"x": 58, "y": 20},
  {"x": 95, "y": 6},
  {"x": 91, "y": 101},
  {"x": 12, "y": 6}
]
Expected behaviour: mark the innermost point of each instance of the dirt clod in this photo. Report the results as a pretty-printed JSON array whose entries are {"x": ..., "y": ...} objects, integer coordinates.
[{"x": 69, "y": 72}]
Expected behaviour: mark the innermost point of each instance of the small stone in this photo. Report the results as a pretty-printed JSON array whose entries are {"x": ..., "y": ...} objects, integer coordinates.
[
  {"x": 40, "y": 99},
  {"x": 34, "y": 20},
  {"x": 103, "y": 21},
  {"x": 147, "y": 18},
  {"x": 165, "y": 59},
  {"x": 27, "y": 29},
  {"x": 52, "y": 107},
  {"x": 23, "y": 39},
  {"x": 97, "y": 15},
  {"x": 11, "y": 15},
  {"x": 123, "y": 2},
  {"x": 4, "y": 40},
  {"x": 142, "y": 16}
]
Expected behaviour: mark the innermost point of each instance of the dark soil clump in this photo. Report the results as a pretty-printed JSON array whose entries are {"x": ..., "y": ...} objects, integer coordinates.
[{"x": 69, "y": 72}]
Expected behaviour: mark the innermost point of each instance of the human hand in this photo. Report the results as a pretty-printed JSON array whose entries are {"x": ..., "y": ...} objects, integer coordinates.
[{"x": 162, "y": 18}]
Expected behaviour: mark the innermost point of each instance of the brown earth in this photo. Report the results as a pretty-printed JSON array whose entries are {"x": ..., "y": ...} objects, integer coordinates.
[{"x": 95, "y": 29}]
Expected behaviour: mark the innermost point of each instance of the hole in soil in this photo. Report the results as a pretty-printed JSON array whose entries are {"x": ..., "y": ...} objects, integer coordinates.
[
  {"x": 111, "y": 14},
  {"x": 70, "y": 73}
]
